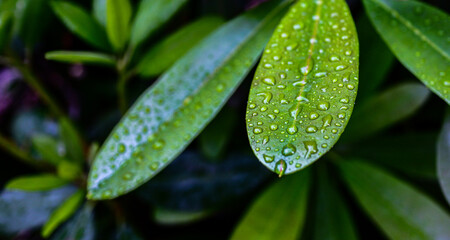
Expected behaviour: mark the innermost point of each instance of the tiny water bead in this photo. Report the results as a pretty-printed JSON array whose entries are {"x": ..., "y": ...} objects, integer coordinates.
[
  {"x": 257, "y": 130},
  {"x": 280, "y": 167},
  {"x": 288, "y": 150},
  {"x": 269, "y": 81},
  {"x": 268, "y": 159}
]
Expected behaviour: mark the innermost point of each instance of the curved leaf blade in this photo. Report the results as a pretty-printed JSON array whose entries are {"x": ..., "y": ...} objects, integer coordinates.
[
  {"x": 41, "y": 182},
  {"x": 72, "y": 141},
  {"x": 199, "y": 84},
  {"x": 47, "y": 147},
  {"x": 81, "y": 57},
  {"x": 443, "y": 158},
  {"x": 417, "y": 34},
  {"x": 118, "y": 16},
  {"x": 152, "y": 14},
  {"x": 165, "y": 53},
  {"x": 81, "y": 23},
  {"x": 80, "y": 227},
  {"x": 399, "y": 210},
  {"x": 62, "y": 213},
  {"x": 386, "y": 109},
  {"x": 279, "y": 213},
  {"x": 304, "y": 89},
  {"x": 99, "y": 11}
]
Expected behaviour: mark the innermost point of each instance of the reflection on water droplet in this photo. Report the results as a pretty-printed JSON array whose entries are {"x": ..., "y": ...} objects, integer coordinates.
[
  {"x": 266, "y": 139},
  {"x": 154, "y": 166},
  {"x": 311, "y": 148},
  {"x": 311, "y": 129},
  {"x": 288, "y": 150},
  {"x": 341, "y": 67},
  {"x": 292, "y": 130},
  {"x": 269, "y": 81},
  {"x": 252, "y": 106},
  {"x": 280, "y": 167},
  {"x": 158, "y": 144},
  {"x": 268, "y": 158},
  {"x": 273, "y": 127},
  {"x": 267, "y": 97},
  {"x": 257, "y": 130},
  {"x": 334, "y": 58},
  {"x": 313, "y": 115},
  {"x": 327, "y": 121},
  {"x": 323, "y": 106}
]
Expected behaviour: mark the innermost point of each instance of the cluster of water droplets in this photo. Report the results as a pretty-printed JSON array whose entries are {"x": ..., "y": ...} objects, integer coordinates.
[{"x": 303, "y": 90}]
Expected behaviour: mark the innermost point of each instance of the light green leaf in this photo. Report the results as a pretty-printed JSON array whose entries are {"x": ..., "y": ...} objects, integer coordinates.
[
  {"x": 279, "y": 213},
  {"x": 81, "y": 23},
  {"x": 305, "y": 86},
  {"x": 48, "y": 148},
  {"x": 72, "y": 141},
  {"x": 156, "y": 129},
  {"x": 165, "y": 53},
  {"x": 81, "y": 57},
  {"x": 150, "y": 15},
  {"x": 399, "y": 210},
  {"x": 82, "y": 226},
  {"x": 375, "y": 59},
  {"x": 118, "y": 16},
  {"x": 69, "y": 171},
  {"x": 99, "y": 11},
  {"x": 443, "y": 158},
  {"x": 62, "y": 213},
  {"x": 386, "y": 109},
  {"x": 42, "y": 182},
  {"x": 418, "y": 35}
]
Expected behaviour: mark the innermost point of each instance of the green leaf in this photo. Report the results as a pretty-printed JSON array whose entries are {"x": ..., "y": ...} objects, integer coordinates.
[
  {"x": 332, "y": 216},
  {"x": 304, "y": 89},
  {"x": 80, "y": 227},
  {"x": 165, "y": 53},
  {"x": 81, "y": 23},
  {"x": 386, "y": 109},
  {"x": 6, "y": 22},
  {"x": 99, "y": 11},
  {"x": 214, "y": 139},
  {"x": 443, "y": 158},
  {"x": 81, "y": 57},
  {"x": 17, "y": 207},
  {"x": 118, "y": 16},
  {"x": 31, "y": 19},
  {"x": 411, "y": 153},
  {"x": 169, "y": 217},
  {"x": 156, "y": 129},
  {"x": 42, "y": 182},
  {"x": 69, "y": 171},
  {"x": 62, "y": 213},
  {"x": 418, "y": 36},
  {"x": 150, "y": 15},
  {"x": 399, "y": 210},
  {"x": 279, "y": 213},
  {"x": 48, "y": 148},
  {"x": 375, "y": 59},
  {"x": 72, "y": 141}
]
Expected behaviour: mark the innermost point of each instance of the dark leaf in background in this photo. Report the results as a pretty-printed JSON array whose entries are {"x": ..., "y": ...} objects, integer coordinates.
[
  {"x": 25, "y": 210},
  {"x": 443, "y": 158},
  {"x": 42, "y": 182},
  {"x": 192, "y": 184},
  {"x": 31, "y": 20},
  {"x": 125, "y": 232},
  {"x": 8, "y": 77},
  {"x": 79, "y": 227}
]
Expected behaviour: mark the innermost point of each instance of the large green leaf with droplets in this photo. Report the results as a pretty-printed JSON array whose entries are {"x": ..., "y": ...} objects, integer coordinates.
[
  {"x": 418, "y": 35},
  {"x": 156, "y": 129},
  {"x": 304, "y": 89}
]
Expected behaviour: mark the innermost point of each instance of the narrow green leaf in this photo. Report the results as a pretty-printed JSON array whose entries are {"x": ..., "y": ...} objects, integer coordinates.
[
  {"x": 168, "y": 217},
  {"x": 165, "y": 53},
  {"x": 157, "y": 129},
  {"x": 375, "y": 59},
  {"x": 332, "y": 216},
  {"x": 6, "y": 22},
  {"x": 72, "y": 142},
  {"x": 81, "y": 57},
  {"x": 418, "y": 35},
  {"x": 150, "y": 15},
  {"x": 99, "y": 11},
  {"x": 304, "y": 89},
  {"x": 399, "y": 210},
  {"x": 62, "y": 213},
  {"x": 48, "y": 148},
  {"x": 118, "y": 16},
  {"x": 80, "y": 227},
  {"x": 31, "y": 20},
  {"x": 443, "y": 158},
  {"x": 81, "y": 23},
  {"x": 69, "y": 171},
  {"x": 386, "y": 109},
  {"x": 42, "y": 182},
  {"x": 279, "y": 213}
]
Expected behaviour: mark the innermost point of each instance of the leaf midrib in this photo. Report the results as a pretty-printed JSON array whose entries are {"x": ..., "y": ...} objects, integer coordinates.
[{"x": 411, "y": 27}]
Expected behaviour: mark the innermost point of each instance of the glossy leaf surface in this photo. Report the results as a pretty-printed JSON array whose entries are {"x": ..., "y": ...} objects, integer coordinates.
[
  {"x": 332, "y": 216},
  {"x": 118, "y": 16},
  {"x": 99, "y": 11},
  {"x": 279, "y": 213},
  {"x": 399, "y": 210},
  {"x": 62, "y": 213},
  {"x": 25, "y": 210},
  {"x": 386, "y": 109},
  {"x": 157, "y": 129},
  {"x": 81, "y": 23},
  {"x": 443, "y": 158},
  {"x": 72, "y": 142},
  {"x": 42, "y": 182},
  {"x": 305, "y": 86},
  {"x": 161, "y": 56},
  {"x": 150, "y": 15},
  {"x": 418, "y": 35},
  {"x": 81, "y": 57}
]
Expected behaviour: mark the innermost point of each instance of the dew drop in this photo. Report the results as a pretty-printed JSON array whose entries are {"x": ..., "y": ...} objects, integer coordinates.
[
  {"x": 305, "y": 70},
  {"x": 280, "y": 167},
  {"x": 327, "y": 121},
  {"x": 313, "y": 115},
  {"x": 269, "y": 81},
  {"x": 266, "y": 139},
  {"x": 311, "y": 148},
  {"x": 292, "y": 130},
  {"x": 344, "y": 100},
  {"x": 257, "y": 130},
  {"x": 268, "y": 158},
  {"x": 288, "y": 150},
  {"x": 267, "y": 97},
  {"x": 323, "y": 106},
  {"x": 122, "y": 148},
  {"x": 158, "y": 144},
  {"x": 341, "y": 67},
  {"x": 350, "y": 86},
  {"x": 252, "y": 106},
  {"x": 311, "y": 129},
  {"x": 273, "y": 127},
  {"x": 127, "y": 176},
  {"x": 154, "y": 166},
  {"x": 334, "y": 58}
]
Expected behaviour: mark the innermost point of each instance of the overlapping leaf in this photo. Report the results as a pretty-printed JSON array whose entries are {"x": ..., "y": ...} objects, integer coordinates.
[
  {"x": 443, "y": 158},
  {"x": 43, "y": 182},
  {"x": 118, "y": 17},
  {"x": 156, "y": 129},
  {"x": 81, "y": 57},
  {"x": 418, "y": 35},
  {"x": 398, "y": 209},
  {"x": 304, "y": 89}
]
